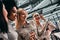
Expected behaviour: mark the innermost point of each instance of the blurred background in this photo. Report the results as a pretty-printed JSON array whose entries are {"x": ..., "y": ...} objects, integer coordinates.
[{"x": 49, "y": 8}]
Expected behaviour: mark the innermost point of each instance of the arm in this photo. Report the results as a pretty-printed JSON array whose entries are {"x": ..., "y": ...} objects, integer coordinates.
[
  {"x": 41, "y": 16},
  {"x": 51, "y": 26}
]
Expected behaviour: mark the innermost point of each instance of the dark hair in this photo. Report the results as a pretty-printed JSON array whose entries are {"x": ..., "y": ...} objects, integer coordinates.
[
  {"x": 9, "y": 4},
  {"x": 3, "y": 23}
]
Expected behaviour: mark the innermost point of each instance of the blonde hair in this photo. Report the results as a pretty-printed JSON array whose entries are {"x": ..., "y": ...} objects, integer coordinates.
[
  {"x": 19, "y": 11},
  {"x": 34, "y": 13},
  {"x": 18, "y": 19}
]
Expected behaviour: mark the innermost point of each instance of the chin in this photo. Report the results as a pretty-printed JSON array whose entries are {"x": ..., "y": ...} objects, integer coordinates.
[
  {"x": 23, "y": 19},
  {"x": 13, "y": 20}
]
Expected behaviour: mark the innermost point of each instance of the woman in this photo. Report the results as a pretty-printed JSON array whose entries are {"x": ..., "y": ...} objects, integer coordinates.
[
  {"x": 3, "y": 23},
  {"x": 24, "y": 28},
  {"x": 44, "y": 30},
  {"x": 12, "y": 10},
  {"x": 41, "y": 27}
]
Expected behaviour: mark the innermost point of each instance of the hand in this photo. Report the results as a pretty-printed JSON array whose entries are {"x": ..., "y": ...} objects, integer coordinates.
[
  {"x": 31, "y": 38},
  {"x": 32, "y": 35}
]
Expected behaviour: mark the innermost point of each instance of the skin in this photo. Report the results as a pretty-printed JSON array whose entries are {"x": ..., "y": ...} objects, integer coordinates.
[
  {"x": 13, "y": 14},
  {"x": 5, "y": 13},
  {"x": 37, "y": 18},
  {"x": 22, "y": 15}
]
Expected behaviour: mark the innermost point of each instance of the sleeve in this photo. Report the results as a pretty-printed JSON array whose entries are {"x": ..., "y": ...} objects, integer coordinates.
[{"x": 51, "y": 26}]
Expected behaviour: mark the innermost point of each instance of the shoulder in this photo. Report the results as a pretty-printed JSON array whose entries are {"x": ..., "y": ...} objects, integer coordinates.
[{"x": 31, "y": 21}]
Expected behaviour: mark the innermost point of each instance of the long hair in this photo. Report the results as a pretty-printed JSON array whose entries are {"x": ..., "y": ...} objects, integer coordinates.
[
  {"x": 3, "y": 23},
  {"x": 18, "y": 19},
  {"x": 9, "y": 4},
  {"x": 19, "y": 12}
]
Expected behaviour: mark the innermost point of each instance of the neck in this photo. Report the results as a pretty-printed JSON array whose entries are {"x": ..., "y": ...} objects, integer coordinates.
[
  {"x": 37, "y": 22},
  {"x": 10, "y": 18},
  {"x": 22, "y": 22}
]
